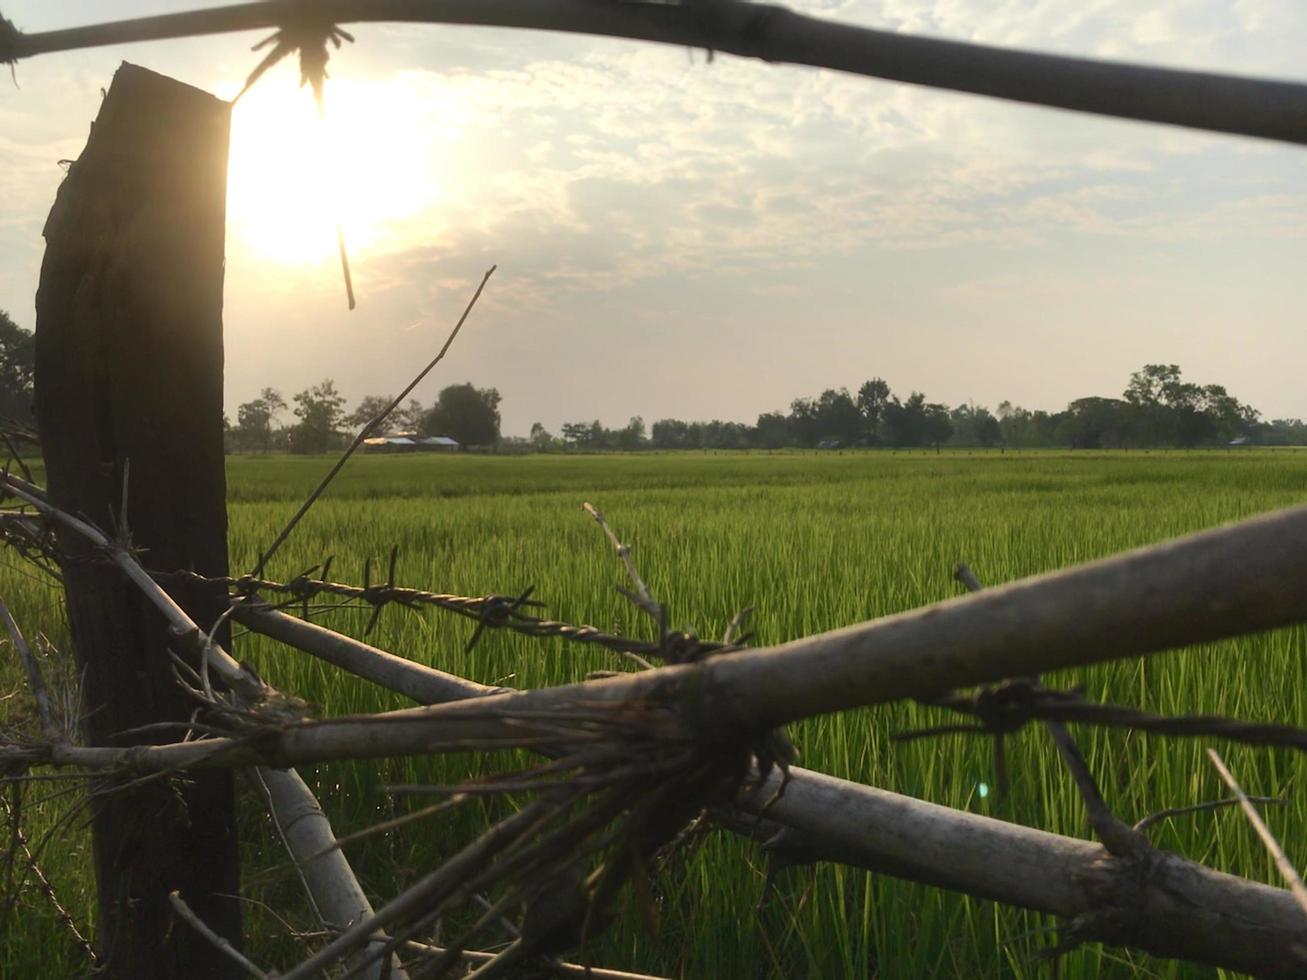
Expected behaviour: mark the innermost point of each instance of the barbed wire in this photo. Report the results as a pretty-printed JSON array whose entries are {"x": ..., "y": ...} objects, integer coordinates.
[
  {"x": 488, "y": 612},
  {"x": 1001, "y": 709}
]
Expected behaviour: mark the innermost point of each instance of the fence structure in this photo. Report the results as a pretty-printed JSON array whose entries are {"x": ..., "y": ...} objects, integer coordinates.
[{"x": 627, "y": 762}]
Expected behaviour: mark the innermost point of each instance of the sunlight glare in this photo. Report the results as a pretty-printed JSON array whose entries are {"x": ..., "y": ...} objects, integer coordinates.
[{"x": 371, "y": 166}]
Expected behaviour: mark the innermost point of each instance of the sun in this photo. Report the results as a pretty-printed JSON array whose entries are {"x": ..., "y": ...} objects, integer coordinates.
[{"x": 292, "y": 176}]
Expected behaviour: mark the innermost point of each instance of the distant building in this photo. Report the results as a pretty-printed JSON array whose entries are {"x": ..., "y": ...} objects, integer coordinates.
[
  {"x": 441, "y": 443},
  {"x": 409, "y": 442}
]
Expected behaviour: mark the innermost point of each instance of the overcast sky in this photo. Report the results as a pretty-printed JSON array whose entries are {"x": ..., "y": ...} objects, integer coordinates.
[{"x": 697, "y": 240}]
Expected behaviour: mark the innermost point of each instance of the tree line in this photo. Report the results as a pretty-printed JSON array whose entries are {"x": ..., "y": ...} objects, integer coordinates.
[
  {"x": 320, "y": 423},
  {"x": 1157, "y": 408}
]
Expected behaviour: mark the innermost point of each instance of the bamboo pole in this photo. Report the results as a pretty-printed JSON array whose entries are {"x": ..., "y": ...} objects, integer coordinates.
[
  {"x": 1201, "y": 100},
  {"x": 1240, "y": 578},
  {"x": 328, "y": 877},
  {"x": 1170, "y": 907},
  {"x": 1165, "y": 904}
]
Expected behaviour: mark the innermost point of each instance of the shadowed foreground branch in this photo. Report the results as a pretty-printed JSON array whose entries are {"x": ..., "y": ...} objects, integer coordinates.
[{"x": 1220, "y": 103}]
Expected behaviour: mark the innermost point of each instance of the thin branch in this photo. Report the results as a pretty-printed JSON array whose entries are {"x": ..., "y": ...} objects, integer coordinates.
[
  {"x": 233, "y": 673},
  {"x": 187, "y": 915},
  {"x": 332, "y": 875},
  {"x": 560, "y": 969},
  {"x": 428, "y": 891},
  {"x": 1179, "y": 811},
  {"x": 1282, "y": 862},
  {"x": 1118, "y": 837},
  {"x": 33, "y": 669},
  {"x": 367, "y": 430},
  {"x": 646, "y": 599},
  {"x": 1200, "y": 100},
  {"x": 1009, "y": 706}
]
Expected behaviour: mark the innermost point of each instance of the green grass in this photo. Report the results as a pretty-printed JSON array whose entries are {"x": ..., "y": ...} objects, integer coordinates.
[{"x": 811, "y": 542}]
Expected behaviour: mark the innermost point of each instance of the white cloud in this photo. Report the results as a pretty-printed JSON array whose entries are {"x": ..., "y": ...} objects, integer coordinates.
[{"x": 603, "y": 173}]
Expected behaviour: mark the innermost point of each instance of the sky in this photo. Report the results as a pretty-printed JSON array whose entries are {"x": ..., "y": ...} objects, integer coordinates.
[{"x": 678, "y": 237}]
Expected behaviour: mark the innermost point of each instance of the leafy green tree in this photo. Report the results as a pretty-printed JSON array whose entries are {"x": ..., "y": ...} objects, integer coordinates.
[
  {"x": 408, "y": 418},
  {"x": 405, "y": 418},
  {"x": 257, "y": 419},
  {"x": 974, "y": 425},
  {"x": 872, "y": 398},
  {"x": 1096, "y": 423},
  {"x": 631, "y": 438},
  {"x": 905, "y": 422},
  {"x": 669, "y": 434},
  {"x": 319, "y": 410},
  {"x": 838, "y": 416},
  {"x": 540, "y": 438},
  {"x": 465, "y": 413},
  {"x": 772, "y": 431},
  {"x": 938, "y": 426},
  {"x": 805, "y": 422},
  {"x": 17, "y": 366},
  {"x": 368, "y": 409},
  {"x": 577, "y": 434}
]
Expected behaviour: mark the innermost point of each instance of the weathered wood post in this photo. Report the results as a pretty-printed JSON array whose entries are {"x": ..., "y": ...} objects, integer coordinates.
[{"x": 129, "y": 400}]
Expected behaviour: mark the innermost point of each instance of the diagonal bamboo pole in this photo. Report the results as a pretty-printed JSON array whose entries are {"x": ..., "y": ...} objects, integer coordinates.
[
  {"x": 1170, "y": 906},
  {"x": 1220, "y": 103},
  {"x": 1236, "y": 579}
]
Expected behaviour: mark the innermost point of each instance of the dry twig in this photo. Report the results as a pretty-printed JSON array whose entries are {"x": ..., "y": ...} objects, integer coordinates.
[
  {"x": 1273, "y": 848},
  {"x": 187, "y": 915},
  {"x": 366, "y": 431}
]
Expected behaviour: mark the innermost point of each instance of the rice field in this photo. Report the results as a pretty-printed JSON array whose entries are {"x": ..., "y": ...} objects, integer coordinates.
[{"x": 810, "y": 542}]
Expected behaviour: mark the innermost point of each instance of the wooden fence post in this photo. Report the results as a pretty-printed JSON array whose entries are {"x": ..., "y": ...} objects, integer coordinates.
[{"x": 129, "y": 401}]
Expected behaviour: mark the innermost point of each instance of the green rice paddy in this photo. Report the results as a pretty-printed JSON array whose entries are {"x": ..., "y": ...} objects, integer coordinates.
[{"x": 811, "y": 542}]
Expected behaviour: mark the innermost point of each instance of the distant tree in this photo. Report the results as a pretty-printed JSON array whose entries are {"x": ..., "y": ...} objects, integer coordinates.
[
  {"x": 465, "y": 413},
  {"x": 987, "y": 431},
  {"x": 17, "y": 365},
  {"x": 256, "y": 421},
  {"x": 631, "y": 438},
  {"x": 408, "y": 418},
  {"x": 319, "y": 410},
  {"x": 540, "y": 439},
  {"x": 1013, "y": 424},
  {"x": 574, "y": 433},
  {"x": 938, "y": 426},
  {"x": 873, "y": 396},
  {"x": 905, "y": 422},
  {"x": 1096, "y": 423},
  {"x": 805, "y": 422},
  {"x": 669, "y": 434},
  {"x": 772, "y": 431},
  {"x": 405, "y": 418},
  {"x": 1150, "y": 395},
  {"x": 723, "y": 435},
  {"x": 368, "y": 409},
  {"x": 1282, "y": 432},
  {"x": 838, "y": 416}
]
